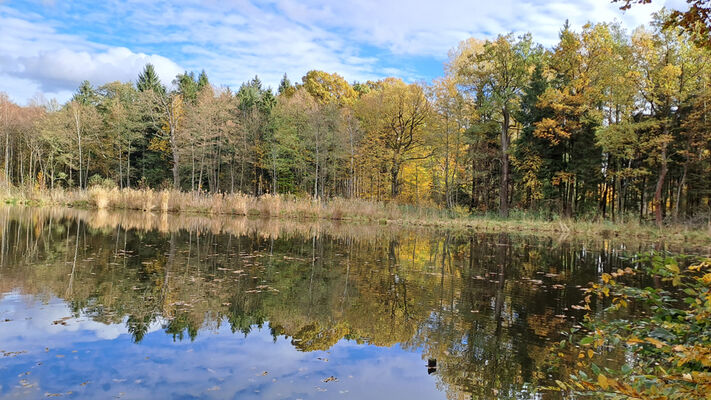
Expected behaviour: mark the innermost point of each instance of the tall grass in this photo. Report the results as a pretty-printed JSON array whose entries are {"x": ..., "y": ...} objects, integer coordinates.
[
  {"x": 292, "y": 207},
  {"x": 285, "y": 206}
]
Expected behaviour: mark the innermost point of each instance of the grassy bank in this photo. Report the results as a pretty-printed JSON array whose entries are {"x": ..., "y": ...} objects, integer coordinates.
[{"x": 356, "y": 210}]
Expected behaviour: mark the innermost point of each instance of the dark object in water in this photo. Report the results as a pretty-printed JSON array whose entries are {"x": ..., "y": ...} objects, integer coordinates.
[{"x": 431, "y": 366}]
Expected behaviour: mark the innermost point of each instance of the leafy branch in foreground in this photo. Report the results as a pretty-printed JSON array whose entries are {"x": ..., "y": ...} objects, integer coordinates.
[{"x": 662, "y": 333}]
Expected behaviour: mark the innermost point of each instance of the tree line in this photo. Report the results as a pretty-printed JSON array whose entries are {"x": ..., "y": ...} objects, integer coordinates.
[{"x": 605, "y": 124}]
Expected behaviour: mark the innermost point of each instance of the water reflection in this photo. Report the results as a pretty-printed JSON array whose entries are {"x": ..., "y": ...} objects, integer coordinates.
[{"x": 100, "y": 304}]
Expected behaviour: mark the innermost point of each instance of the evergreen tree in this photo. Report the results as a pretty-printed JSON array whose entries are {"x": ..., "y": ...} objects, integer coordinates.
[
  {"x": 86, "y": 94},
  {"x": 202, "y": 80},
  {"x": 187, "y": 86},
  {"x": 148, "y": 80},
  {"x": 533, "y": 156},
  {"x": 284, "y": 85}
]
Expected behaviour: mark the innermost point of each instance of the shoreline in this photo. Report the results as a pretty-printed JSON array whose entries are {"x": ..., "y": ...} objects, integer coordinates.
[{"x": 347, "y": 211}]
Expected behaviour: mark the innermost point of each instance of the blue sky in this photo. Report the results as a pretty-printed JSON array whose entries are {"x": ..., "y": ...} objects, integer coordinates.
[{"x": 48, "y": 47}]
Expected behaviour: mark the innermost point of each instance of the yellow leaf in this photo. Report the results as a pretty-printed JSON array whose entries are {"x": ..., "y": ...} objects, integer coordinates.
[
  {"x": 602, "y": 381},
  {"x": 657, "y": 343}
]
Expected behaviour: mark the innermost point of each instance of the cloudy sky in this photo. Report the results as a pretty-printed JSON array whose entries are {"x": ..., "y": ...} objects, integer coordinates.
[{"x": 48, "y": 47}]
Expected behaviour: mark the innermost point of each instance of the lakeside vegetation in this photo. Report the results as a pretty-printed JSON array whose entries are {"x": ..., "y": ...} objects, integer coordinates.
[
  {"x": 604, "y": 125},
  {"x": 368, "y": 212},
  {"x": 656, "y": 314}
]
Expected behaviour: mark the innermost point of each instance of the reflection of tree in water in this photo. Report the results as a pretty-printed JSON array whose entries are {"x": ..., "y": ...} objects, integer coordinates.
[{"x": 483, "y": 308}]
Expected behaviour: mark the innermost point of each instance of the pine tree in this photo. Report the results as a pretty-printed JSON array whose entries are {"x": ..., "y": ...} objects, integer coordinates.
[
  {"x": 284, "y": 86},
  {"x": 533, "y": 156},
  {"x": 202, "y": 80},
  {"x": 148, "y": 80},
  {"x": 86, "y": 94},
  {"x": 187, "y": 86}
]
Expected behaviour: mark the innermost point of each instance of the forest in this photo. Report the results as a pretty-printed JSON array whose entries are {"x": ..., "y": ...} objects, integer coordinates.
[{"x": 605, "y": 124}]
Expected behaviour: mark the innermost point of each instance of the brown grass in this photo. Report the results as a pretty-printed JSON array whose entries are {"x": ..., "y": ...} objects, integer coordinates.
[{"x": 291, "y": 207}]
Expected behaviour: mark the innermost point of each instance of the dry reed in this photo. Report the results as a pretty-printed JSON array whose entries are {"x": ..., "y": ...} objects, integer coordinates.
[{"x": 292, "y": 207}]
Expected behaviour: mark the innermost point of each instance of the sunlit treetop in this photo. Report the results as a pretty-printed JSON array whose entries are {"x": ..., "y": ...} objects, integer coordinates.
[{"x": 696, "y": 21}]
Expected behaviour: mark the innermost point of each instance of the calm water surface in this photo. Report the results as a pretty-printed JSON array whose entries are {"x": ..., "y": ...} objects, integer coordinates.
[{"x": 98, "y": 305}]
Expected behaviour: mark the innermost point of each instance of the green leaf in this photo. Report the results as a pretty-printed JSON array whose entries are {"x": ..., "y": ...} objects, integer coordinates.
[
  {"x": 595, "y": 368},
  {"x": 586, "y": 340},
  {"x": 690, "y": 291}
]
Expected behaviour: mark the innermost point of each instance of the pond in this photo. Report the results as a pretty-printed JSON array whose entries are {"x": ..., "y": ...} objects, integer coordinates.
[{"x": 131, "y": 305}]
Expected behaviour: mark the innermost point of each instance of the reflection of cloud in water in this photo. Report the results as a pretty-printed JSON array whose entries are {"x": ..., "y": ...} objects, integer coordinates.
[
  {"x": 483, "y": 306},
  {"x": 218, "y": 364},
  {"x": 34, "y": 323}
]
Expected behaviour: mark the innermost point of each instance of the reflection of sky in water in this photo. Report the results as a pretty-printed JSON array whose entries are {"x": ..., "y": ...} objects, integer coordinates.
[{"x": 218, "y": 364}]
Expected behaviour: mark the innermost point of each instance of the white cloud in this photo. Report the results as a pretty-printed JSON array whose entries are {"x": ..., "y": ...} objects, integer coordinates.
[
  {"x": 64, "y": 68},
  {"x": 36, "y": 58},
  {"x": 423, "y": 27},
  {"x": 54, "y": 48}
]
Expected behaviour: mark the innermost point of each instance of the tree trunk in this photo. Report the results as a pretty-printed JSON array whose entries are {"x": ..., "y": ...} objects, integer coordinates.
[
  {"x": 316, "y": 175},
  {"x": 679, "y": 189},
  {"x": 660, "y": 185},
  {"x": 446, "y": 164},
  {"x": 77, "y": 125},
  {"x": 120, "y": 171},
  {"x": 176, "y": 160},
  {"x": 504, "y": 191},
  {"x": 7, "y": 155},
  {"x": 472, "y": 202},
  {"x": 128, "y": 166},
  {"x": 394, "y": 172},
  {"x": 192, "y": 167}
]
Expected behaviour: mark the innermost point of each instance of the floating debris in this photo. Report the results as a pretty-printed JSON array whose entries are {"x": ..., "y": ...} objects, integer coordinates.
[
  {"x": 12, "y": 353},
  {"x": 61, "y": 321}
]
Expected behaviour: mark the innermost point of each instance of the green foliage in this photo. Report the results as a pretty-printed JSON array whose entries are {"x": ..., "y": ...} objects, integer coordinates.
[
  {"x": 603, "y": 125},
  {"x": 149, "y": 80},
  {"x": 98, "y": 180},
  {"x": 663, "y": 331}
]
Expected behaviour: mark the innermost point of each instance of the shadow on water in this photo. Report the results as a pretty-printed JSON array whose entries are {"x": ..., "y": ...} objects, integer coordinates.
[{"x": 480, "y": 311}]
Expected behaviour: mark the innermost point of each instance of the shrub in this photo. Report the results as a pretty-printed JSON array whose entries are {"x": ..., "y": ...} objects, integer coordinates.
[
  {"x": 95, "y": 180},
  {"x": 667, "y": 348}
]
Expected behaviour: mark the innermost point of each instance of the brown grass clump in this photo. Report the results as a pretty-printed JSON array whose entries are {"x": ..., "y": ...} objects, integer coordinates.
[
  {"x": 100, "y": 197},
  {"x": 269, "y": 205},
  {"x": 164, "y": 201},
  {"x": 237, "y": 203}
]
